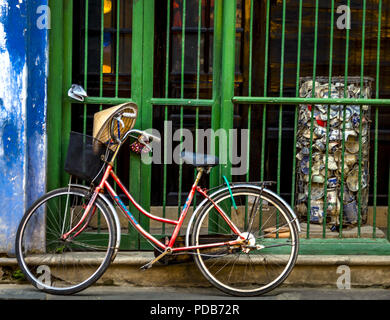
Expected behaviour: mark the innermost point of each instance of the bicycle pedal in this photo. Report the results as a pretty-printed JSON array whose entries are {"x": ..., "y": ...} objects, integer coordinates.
[
  {"x": 150, "y": 264},
  {"x": 146, "y": 266}
]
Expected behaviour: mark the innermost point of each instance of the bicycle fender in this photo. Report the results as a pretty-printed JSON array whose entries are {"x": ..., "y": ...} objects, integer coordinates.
[
  {"x": 191, "y": 221},
  {"x": 114, "y": 214}
]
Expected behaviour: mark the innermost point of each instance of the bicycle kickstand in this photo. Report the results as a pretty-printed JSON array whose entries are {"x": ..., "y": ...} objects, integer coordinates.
[{"x": 150, "y": 264}]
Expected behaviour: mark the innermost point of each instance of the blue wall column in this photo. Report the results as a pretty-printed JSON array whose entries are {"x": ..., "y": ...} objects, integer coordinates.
[{"x": 23, "y": 92}]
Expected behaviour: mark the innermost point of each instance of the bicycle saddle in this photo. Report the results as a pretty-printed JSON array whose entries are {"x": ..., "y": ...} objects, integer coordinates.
[{"x": 199, "y": 159}]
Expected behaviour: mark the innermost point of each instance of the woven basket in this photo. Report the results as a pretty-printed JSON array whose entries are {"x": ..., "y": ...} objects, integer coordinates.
[{"x": 102, "y": 121}]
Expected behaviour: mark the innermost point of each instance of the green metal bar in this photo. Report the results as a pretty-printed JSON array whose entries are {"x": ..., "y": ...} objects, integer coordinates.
[
  {"x": 250, "y": 50},
  {"x": 280, "y": 127},
  {"x": 325, "y": 205},
  {"x": 166, "y": 110},
  {"x": 265, "y": 93},
  {"x": 227, "y": 37},
  {"x": 299, "y": 46},
  {"x": 266, "y": 55},
  {"x": 183, "y": 36},
  {"x": 101, "y": 69},
  {"x": 282, "y": 49},
  {"x": 183, "y": 41},
  {"x": 85, "y": 65},
  {"x": 325, "y": 208},
  {"x": 147, "y": 108},
  {"x": 167, "y": 44},
  {"x": 294, "y": 161},
  {"x": 118, "y": 5},
  {"x": 331, "y": 48},
  {"x": 363, "y": 47},
  {"x": 291, "y": 100},
  {"x": 228, "y": 76},
  {"x": 67, "y": 80},
  {"x": 54, "y": 95},
  {"x": 136, "y": 95},
  {"x": 154, "y": 101},
  {"x": 263, "y": 134},
  {"x": 315, "y": 48},
  {"x": 216, "y": 110},
  {"x": 346, "y": 55},
  {"x": 312, "y": 120},
  {"x": 117, "y": 60},
  {"x": 361, "y": 122},
  {"x": 196, "y": 147},
  {"x": 165, "y": 169},
  {"x": 375, "y": 173},
  {"x": 342, "y": 175},
  {"x": 180, "y": 164},
  {"x": 101, "y": 50},
  {"x": 100, "y": 100},
  {"x": 376, "y": 120},
  {"x": 360, "y": 172},
  {"x": 310, "y": 173},
  {"x": 378, "y": 51},
  {"x": 198, "y": 49},
  {"x": 248, "y": 142},
  {"x": 86, "y": 62},
  {"x": 183, "y": 102},
  {"x": 250, "y": 87},
  {"x": 343, "y": 130},
  {"x": 197, "y": 84}
]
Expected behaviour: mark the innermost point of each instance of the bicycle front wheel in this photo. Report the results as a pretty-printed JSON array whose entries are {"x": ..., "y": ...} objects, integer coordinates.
[
  {"x": 268, "y": 254},
  {"x": 59, "y": 266}
]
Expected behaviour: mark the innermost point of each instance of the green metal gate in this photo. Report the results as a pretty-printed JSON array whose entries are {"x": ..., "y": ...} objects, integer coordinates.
[{"x": 229, "y": 62}]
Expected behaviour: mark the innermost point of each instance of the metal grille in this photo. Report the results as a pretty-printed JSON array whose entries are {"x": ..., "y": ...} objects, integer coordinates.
[{"x": 243, "y": 66}]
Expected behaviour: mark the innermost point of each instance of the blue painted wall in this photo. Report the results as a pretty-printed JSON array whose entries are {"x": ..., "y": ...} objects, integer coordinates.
[{"x": 23, "y": 92}]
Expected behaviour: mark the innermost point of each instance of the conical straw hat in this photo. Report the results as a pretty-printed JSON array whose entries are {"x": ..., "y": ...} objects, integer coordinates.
[{"x": 102, "y": 120}]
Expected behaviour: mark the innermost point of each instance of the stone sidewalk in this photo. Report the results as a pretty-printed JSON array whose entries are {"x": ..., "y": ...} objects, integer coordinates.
[
  {"x": 309, "y": 271},
  {"x": 128, "y": 292}
]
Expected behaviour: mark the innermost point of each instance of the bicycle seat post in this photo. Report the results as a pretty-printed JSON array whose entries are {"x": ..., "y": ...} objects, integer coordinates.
[
  {"x": 111, "y": 162},
  {"x": 199, "y": 175}
]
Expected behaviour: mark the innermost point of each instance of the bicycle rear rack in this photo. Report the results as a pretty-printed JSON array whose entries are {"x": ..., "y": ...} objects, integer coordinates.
[{"x": 254, "y": 183}]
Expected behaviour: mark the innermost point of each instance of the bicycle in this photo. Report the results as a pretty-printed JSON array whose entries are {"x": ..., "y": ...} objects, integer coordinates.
[{"x": 243, "y": 237}]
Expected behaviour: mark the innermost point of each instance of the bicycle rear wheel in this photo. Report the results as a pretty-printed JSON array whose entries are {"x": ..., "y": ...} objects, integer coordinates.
[
  {"x": 271, "y": 242},
  {"x": 60, "y": 266}
]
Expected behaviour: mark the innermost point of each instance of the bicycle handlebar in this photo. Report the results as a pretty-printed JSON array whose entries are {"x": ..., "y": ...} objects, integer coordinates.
[
  {"x": 150, "y": 137},
  {"x": 145, "y": 134}
]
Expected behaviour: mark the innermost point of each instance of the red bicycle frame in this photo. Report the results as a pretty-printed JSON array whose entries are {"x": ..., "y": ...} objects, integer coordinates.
[{"x": 178, "y": 223}]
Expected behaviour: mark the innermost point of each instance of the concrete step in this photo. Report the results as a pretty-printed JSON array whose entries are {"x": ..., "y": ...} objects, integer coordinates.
[{"x": 310, "y": 270}]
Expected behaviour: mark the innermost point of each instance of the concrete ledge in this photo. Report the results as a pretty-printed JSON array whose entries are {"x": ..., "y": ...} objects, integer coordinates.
[{"x": 309, "y": 270}]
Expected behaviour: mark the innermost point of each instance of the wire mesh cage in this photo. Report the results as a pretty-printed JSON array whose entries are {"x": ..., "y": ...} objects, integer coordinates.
[
  {"x": 343, "y": 185},
  {"x": 85, "y": 157}
]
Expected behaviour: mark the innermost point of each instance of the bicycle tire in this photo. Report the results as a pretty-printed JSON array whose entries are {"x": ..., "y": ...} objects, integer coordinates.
[
  {"x": 222, "y": 258},
  {"x": 69, "y": 264}
]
